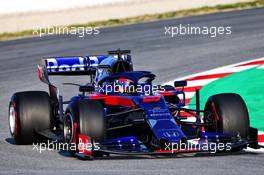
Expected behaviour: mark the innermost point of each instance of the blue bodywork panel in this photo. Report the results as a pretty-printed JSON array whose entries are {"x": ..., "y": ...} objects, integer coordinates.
[
  {"x": 130, "y": 144},
  {"x": 160, "y": 120}
]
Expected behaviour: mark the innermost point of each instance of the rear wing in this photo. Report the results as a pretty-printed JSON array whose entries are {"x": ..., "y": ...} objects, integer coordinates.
[
  {"x": 76, "y": 65},
  {"x": 68, "y": 66},
  {"x": 71, "y": 65}
]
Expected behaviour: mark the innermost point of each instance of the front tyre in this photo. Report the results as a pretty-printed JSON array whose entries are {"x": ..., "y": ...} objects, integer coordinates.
[
  {"x": 228, "y": 114},
  {"x": 83, "y": 117}
]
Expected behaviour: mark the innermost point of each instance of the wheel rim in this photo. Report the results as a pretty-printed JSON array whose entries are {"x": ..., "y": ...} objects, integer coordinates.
[
  {"x": 68, "y": 129},
  {"x": 211, "y": 117},
  {"x": 12, "y": 119}
]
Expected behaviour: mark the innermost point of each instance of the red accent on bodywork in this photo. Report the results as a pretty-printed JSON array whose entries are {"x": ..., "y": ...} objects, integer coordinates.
[
  {"x": 261, "y": 138},
  {"x": 85, "y": 145},
  {"x": 113, "y": 100},
  {"x": 151, "y": 99},
  {"x": 96, "y": 96},
  {"x": 124, "y": 80},
  {"x": 116, "y": 100},
  {"x": 40, "y": 73},
  {"x": 167, "y": 93}
]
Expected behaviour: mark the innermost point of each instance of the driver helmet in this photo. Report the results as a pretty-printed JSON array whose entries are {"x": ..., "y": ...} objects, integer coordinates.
[{"x": 124, "y": 85}]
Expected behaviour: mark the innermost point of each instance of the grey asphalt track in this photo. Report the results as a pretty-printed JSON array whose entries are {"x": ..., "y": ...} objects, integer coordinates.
[{"x": 167, "y": 57}]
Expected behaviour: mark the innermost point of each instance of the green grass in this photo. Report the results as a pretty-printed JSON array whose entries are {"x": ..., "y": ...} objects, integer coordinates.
[{"x": 146, "y": 18}]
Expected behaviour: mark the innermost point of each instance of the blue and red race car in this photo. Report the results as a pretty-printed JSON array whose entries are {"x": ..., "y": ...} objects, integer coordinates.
[{"x": 120, "y": 111}]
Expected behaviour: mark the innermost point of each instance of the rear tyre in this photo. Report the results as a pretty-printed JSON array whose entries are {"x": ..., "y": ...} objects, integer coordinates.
[
  {"x": 228, "y": 114},
  {"x": 29, "y": 111},
  {"x": 84, "y": 117}
]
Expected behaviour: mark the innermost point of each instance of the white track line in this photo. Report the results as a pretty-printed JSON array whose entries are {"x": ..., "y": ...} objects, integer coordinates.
[{"x": 223, "y": 69}]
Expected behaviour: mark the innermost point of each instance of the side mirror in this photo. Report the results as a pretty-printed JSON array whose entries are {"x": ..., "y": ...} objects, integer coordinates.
[
  {"x": 86, "y": 88},
  {"x": 180, "y": 83},
  {"x": 168, "y": 88}
]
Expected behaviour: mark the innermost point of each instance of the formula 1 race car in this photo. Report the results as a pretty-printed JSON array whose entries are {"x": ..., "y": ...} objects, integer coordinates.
[{"x": 120, "y": 111}]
